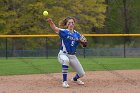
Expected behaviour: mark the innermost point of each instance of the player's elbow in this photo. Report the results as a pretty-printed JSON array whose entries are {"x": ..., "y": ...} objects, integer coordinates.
[{"x": 56, "y": 29}]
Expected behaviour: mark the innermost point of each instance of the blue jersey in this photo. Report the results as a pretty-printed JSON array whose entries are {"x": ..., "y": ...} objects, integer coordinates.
[{"x": 69, "y": 41}]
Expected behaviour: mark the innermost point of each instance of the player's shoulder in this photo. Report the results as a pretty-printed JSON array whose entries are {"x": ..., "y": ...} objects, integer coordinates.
[
  {"x": 63, "y": 29},
  {"x": 76, "y": 32}
]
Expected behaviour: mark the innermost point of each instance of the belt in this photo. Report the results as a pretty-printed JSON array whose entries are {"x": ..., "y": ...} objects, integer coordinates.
[{"x": 69, "y": 53}]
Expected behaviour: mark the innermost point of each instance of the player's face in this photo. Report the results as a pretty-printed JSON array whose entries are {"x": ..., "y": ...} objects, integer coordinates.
[{"x": 70, "y": 24}]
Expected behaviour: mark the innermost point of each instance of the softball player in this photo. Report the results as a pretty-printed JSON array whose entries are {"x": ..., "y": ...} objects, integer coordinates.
[{"x": 69, "y": 42}]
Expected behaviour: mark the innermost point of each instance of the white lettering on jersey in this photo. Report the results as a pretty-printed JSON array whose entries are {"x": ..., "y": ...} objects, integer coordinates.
[{"x": 71, "y": 38}]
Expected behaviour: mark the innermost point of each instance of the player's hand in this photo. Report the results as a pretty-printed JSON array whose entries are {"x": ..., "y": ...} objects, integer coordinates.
[{"x": 49, "y": 20}]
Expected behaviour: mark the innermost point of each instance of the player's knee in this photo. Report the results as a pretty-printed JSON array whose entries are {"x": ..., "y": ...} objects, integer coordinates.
[{"x": 66, "y": 61}]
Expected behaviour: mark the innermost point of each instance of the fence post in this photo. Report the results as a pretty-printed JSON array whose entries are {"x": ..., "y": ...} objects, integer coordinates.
[
  {"x": 6, "y": 51},
  {"x": 46, "y": 49},
  {"x": 84, "y": 52},
  {"x": 124, "y": 50}
]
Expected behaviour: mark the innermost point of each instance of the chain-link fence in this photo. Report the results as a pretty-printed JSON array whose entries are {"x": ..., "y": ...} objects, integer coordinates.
[{"x": 49, "y": 47}]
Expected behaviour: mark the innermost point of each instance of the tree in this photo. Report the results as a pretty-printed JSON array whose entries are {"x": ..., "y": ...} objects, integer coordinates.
[
  {"x": 89, "y": 13},
  {"x": 25, "y": 16}
]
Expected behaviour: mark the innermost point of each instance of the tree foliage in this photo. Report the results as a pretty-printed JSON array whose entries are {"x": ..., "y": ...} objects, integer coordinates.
[
  {"x": 25, "y": 16},
  {"x": 93, "y": 16},
  {"x": 122, "y": 16}
]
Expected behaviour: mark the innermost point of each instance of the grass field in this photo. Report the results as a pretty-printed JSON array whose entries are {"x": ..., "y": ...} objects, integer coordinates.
[{"x": 19, "y": 66}]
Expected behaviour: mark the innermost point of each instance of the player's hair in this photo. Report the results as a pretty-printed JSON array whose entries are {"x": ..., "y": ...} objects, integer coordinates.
[{"x": 62, "y": 23}]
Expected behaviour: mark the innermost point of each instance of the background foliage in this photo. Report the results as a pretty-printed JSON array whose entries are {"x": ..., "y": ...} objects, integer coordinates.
[
  {"x": 25, "y": 16},
  {"x": 93, "y": 16}
]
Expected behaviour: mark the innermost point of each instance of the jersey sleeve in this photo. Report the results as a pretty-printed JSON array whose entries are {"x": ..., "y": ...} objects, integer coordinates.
[
  {"x": 78, "y": 35},
  {"x": 62, "y": 33}
]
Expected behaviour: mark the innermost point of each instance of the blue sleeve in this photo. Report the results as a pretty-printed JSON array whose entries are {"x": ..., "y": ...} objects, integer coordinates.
[
  {"x": 62, "y": 33},
  {"x": 78, "y": 35}
]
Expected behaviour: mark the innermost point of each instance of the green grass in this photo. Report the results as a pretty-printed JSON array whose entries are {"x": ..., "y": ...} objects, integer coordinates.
[
  {"x": 14, "y": 66},
  {"x": 92, "y": 64}
]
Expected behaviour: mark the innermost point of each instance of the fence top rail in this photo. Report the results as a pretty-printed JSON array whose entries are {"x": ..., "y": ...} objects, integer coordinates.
[{"x": 55, "y": 35}]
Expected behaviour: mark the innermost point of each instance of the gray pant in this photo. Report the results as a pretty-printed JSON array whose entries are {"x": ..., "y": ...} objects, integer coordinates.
[{"x": 66, "y": 59}]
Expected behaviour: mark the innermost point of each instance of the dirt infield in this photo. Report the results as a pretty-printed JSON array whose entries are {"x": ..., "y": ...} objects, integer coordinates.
[{"x": 125, "y": 81}]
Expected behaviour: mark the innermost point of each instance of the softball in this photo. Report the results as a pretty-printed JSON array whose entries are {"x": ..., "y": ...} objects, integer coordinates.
[{"x": 45, "y": 13}]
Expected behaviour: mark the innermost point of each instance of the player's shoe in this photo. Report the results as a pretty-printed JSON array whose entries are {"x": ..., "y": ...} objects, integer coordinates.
[
  {"x": 65, "y": 84},
  {"x": 78, "y": 81}
]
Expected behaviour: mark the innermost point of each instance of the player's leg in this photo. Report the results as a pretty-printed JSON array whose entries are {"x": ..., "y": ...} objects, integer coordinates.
[
  {"x": 76, "y": 65},
  {"x": 64, "y": 60}
]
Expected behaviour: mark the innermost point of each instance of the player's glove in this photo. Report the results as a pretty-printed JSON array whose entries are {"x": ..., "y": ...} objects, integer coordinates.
[{"x": 83, "y": 41}]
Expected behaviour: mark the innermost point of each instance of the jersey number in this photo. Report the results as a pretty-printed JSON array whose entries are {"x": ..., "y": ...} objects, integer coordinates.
[{"x": 72, "y": 43}]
